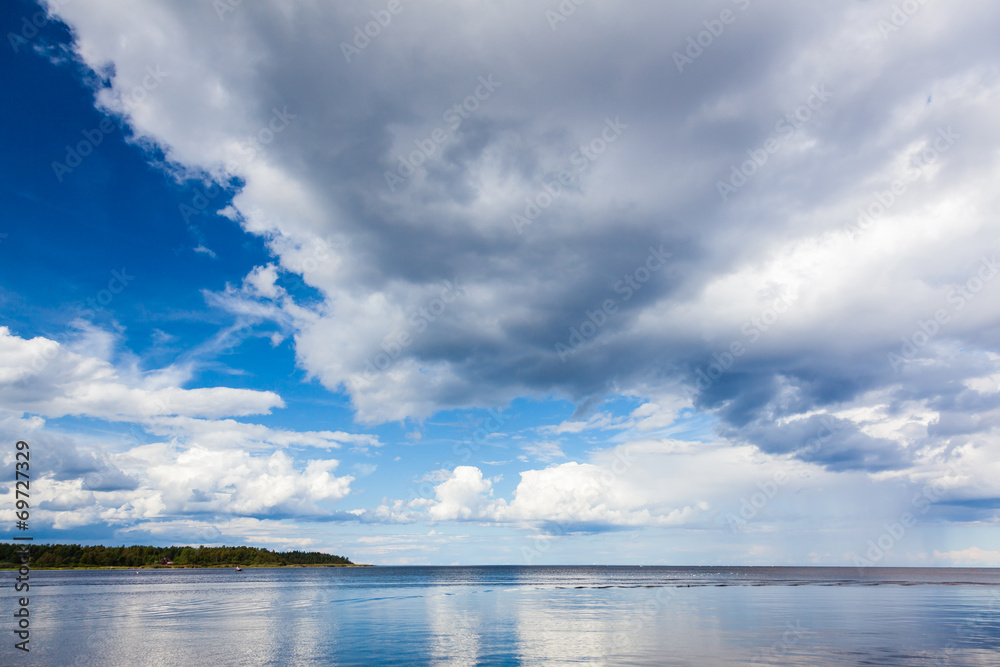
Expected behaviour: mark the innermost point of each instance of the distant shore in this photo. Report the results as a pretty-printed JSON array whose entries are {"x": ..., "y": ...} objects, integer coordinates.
[
  {"x": 100, "y": 557},
  {"x": 190, "y": 567}
]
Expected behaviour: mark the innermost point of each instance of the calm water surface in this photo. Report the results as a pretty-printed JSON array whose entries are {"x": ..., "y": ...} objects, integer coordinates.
[{"x": 514, "y": 616}]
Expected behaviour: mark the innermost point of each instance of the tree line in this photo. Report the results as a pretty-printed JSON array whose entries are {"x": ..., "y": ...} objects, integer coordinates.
[{"x": 75, "y": 555}]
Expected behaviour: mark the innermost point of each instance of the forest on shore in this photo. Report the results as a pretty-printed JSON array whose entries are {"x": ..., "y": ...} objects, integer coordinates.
[{"x": 75, "y": 555}]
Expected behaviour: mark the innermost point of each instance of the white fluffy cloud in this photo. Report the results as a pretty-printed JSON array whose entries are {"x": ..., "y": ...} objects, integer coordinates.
[
  {"x": 464, "y": 495},
  {"x": 621, "y": 488},
  {"x": 168, "y": 482},
  {"x": 973, "y": 556},
  {"x": 234, "y": 482},
  {"x": 718, "y": 487},
  {"x": 44, "y": 377},
  {"x": 207, "y": 468}
]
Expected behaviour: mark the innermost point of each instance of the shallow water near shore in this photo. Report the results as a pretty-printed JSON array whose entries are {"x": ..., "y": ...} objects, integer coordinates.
[{"x": 515, "y": 616}]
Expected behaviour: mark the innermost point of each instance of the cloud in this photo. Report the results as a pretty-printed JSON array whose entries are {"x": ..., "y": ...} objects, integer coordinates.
[
  {"x": 166, "y": 483},
  {"x": 259, "y": 532},
  {"x": 601, "y": 420},
  {"x": 229, "y": 433},
  {"x": 464, "y": 495},
  {"x": 233, "y": 482},
  {"x": 207, "y": 251},
  {"x": 206, "y": 469},
  {"x": 970, "y": 556},
  {"x": 783, "y": 235},
  {"x": 836, "y": 443},
  {"x": 574, "y": 495},
  {"x": 847, "y": 282},
  {"x": 622, "y": 487},
  {"x": 60, "y": 458},
  {"x": 724, "y": 489},
  {"x": 542, "y": 451},
  {"x": 44, "y": 377}
]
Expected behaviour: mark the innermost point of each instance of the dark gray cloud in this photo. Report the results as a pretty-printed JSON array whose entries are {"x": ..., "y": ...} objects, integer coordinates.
[
  {"x": 61, "y": 459},
  {"x": 836, "y": 444}
]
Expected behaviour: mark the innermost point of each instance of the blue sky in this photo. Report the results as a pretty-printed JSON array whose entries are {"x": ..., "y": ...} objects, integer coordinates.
[{"x": 696, "y": 285}]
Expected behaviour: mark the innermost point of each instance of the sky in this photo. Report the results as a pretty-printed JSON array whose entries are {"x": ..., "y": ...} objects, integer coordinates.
[{"x": 504, "y": 281}]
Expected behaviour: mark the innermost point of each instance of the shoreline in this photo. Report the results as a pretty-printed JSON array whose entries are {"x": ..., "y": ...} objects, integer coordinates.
[{"x": 188, "y": 567}]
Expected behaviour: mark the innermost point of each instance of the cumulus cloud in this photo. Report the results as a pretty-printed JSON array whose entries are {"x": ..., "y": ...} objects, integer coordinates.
[
  {"x": 265, "y": 532},
  {"x": 166, "y": 483},
  {"x": 970, "y": 556},
  {"x": 207, "y": 467},
  {"x": 199, "y": 480},
  {"x": 717, "y": 488},
  {"x": 43, "y": 377},
  {"x": 464, "y": 495},
  {"x": 73, "y": 471}
]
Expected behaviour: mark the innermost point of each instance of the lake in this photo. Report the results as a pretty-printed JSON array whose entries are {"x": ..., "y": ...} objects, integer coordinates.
[{"x": 513, "y": 616}]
